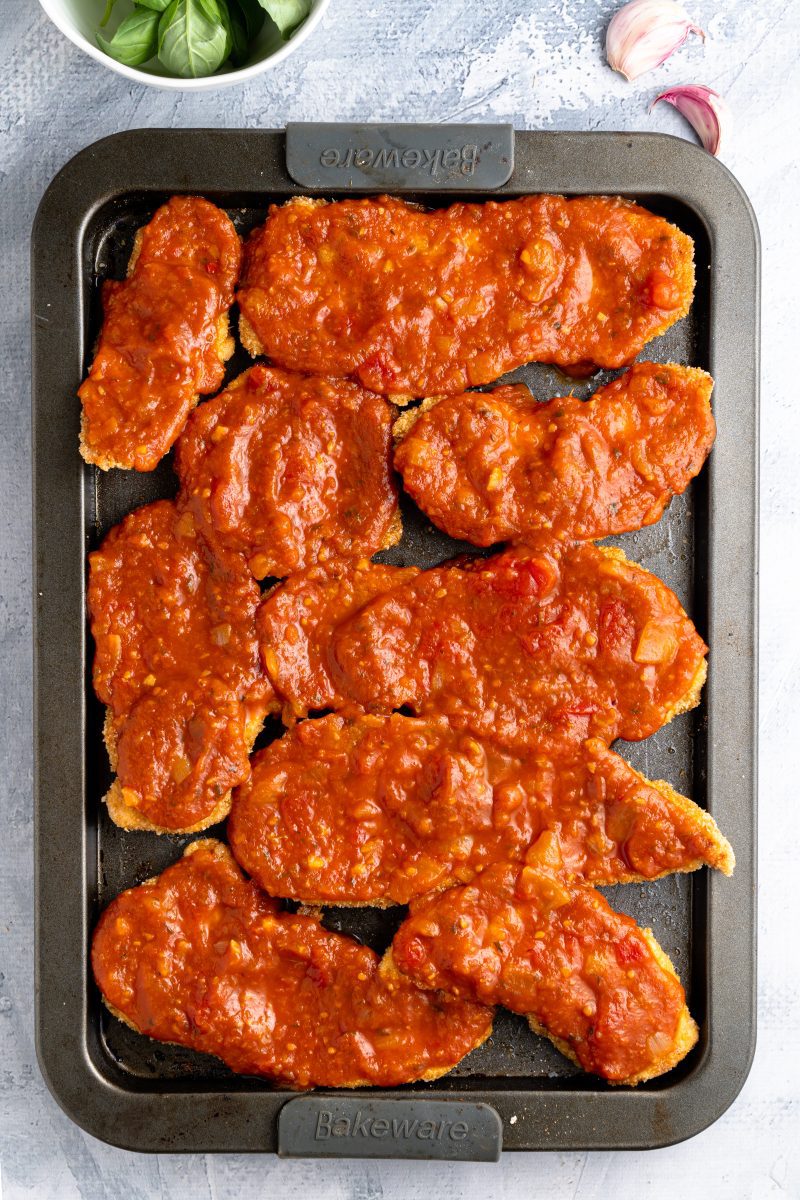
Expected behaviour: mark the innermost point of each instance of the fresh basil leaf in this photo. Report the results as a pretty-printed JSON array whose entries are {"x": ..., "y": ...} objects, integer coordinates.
[
  {"x": 238, "y": 50},
  {"x": 109, "y": 7},
  {"x": 287, "y": 14},
  {"x": 165, "y": 22},
  {"x": 190, "y": 43},
  {"x": 135, "y": 41},
  {"x": 253, "y": 16},
  {"x": 211, "y": 9},
  {"x": 155, "y": 5},
  {"x": 225, "y": 20},
  {"x": 240, "y": 43}
]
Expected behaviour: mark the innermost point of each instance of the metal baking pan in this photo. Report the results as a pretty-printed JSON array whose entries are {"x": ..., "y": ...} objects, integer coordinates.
[{"x": 143, "y": 1095}]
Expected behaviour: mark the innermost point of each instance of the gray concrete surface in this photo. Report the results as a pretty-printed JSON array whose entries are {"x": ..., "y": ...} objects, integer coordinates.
[{"x": 539, "y": 64}]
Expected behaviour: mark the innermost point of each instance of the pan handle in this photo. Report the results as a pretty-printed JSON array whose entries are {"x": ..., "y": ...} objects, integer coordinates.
[
  {"x": 337, "y": 1126},
  {"x": 399, "y": 158}
]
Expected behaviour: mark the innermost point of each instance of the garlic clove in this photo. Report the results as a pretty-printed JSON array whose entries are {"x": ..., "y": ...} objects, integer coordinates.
[
  {"x": 643, "y": 33},
  {"x": 704, "y": 109}
]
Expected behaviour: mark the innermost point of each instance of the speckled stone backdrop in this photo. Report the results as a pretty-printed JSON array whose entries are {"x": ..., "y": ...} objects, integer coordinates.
[{"x": 539, "y": 64}]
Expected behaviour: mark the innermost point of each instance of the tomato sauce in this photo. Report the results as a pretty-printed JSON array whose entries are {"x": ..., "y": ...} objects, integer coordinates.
[
  {"x": 378, "y": 810},
  {"x": 415, "y": 302},
  {"x": 164, "y": 337},
  {"x": 289, "y": 470},
  {"x": 176, "y": 662},
  {"x": 298, "y": 619},
  {"x": 572, "y": 642},
  {"x": 585, "y": 976},
  {"x": 498, "y": 466},
  {"x": 201, "y": 957}
]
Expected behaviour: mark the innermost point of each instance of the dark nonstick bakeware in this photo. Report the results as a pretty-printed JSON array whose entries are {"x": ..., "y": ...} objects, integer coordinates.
[{"x": 143, "y": 1095}]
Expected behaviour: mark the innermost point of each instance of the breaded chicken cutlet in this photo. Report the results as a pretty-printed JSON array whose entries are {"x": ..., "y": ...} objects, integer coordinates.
[
  {"x": 289, "y": 469},
  {"x": 176, "y": 664},
  {"x": 412, "y": 302},
  {"x": 566, "y": 641},
  {"x": 498, "y": 466},
  {"x": 586, "y": 977},
  {"x": 380, "y": 810},
  {"x": 202, "y": 957},
  {"x": 164, "y": 339}
]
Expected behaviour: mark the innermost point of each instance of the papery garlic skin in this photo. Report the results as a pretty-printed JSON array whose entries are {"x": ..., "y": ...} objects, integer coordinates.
[
  {"x": 644, "y": 33},
  {"x": 704, "y": 109}
]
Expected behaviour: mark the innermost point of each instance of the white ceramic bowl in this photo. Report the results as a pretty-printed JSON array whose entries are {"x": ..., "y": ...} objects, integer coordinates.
[{"x": 79, "y": 20}]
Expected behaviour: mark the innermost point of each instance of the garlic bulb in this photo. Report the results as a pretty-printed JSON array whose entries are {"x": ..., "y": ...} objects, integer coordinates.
[
  {"x": 704, "y": 109},
  {"x": 644, "y": 33}
]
